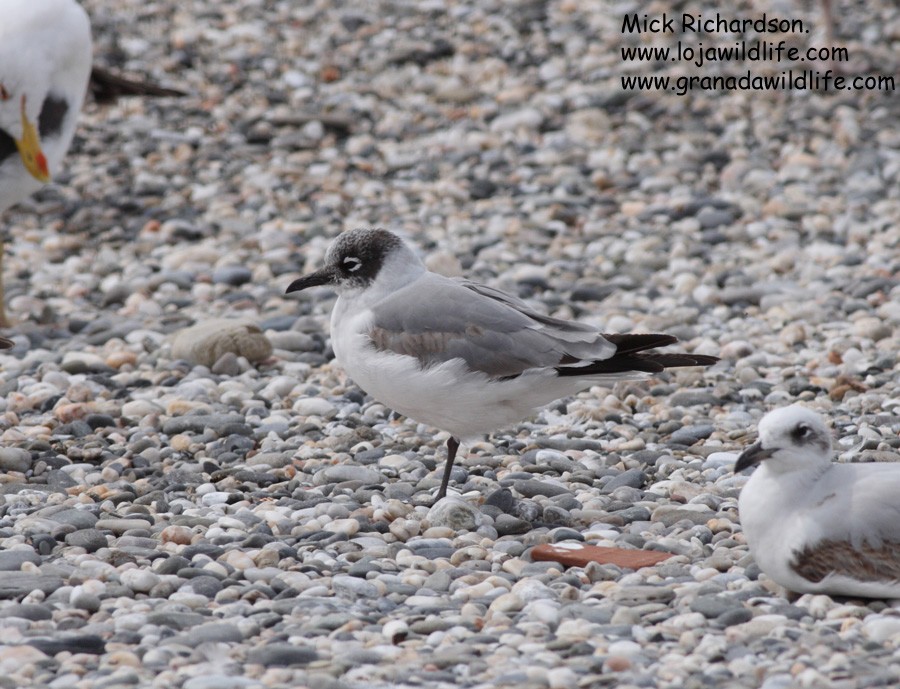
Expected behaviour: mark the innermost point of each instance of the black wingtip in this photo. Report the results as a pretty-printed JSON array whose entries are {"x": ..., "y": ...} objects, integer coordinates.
[{"x": 632, "y": 356}]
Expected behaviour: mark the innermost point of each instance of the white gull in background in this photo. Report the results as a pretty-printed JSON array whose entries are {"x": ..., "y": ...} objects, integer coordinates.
[
  {"x": 457, "y": 355},
  {"x": 814, "y": 526},
  {"x": 45, "y": 63},
  {"x": 45, "y": 68}
]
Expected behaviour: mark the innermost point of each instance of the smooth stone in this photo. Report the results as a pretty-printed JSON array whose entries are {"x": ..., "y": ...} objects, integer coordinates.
[
  {"x": 27, "y": 611},
  {"x": 313, "y": 406},
  {"x": 631, "y": 478},
  {"x": 670, "y": 514},
  {"x": 734, "y": 616},
  {"x": 502, "y": 499},
  {"x": 211, "y": 632},
  {"x": 214, "y": 681},
  {"x": 713, "y": 606},
  {"x": 350, "y": 472},
  {"x": 232, "y": 275},
  {"x": 354, "y": 586},
  {"x": 205, "y": 342},
  {"x": 205, "y": 585},
  {"x": 176, "y": 620},
  {"x": 86, "y": 643},
  {"x": 532, "y": 487},
  {"x": 139, "y": 580},
  {"x": 454, "y": 513},
  {"x": 282, "y": 655},
  {"x": 20, "y": 584},
  {"x": 198, "y": 423},
  {"x": 80, "y": 519},
  {"x": 89, "y": 539},
  {"x": 119, "y": 526},
  {"x": 881, "y": 628},
  {"x": 227, "y": 365},
  {"x": 692, "y": 398},
  {"x": 690, "y": 434},
  {"x": 638, "y": 595},
  {"x": 14, "y": 459},
  {"x": 507, "y": 525},
  {"x": 12, "y": 560},
  {"x": 84, "y": 362},
  {"x": 637, "y": 513}
]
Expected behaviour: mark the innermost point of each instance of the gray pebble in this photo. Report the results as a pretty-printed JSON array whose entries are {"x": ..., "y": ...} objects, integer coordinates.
[
  {"x": 631, "y": 478},
  {"x": 89, "y": 539},
  {"x": 690, "y": 434},
  {"x": 714, "y": 606},
  {"x": 211, "y": 632},
  {"x": 12, "y": 560},
  {"x": 232, "y": 275},
  {"x": 14, "y": 459},
  {"x": 455, "y": 514},
  {"x": 197, "y": 423},
  {"x": 507, "y": 525},
  {"x": 282, "y": 655},
  {"x": 532, "y": 487}
]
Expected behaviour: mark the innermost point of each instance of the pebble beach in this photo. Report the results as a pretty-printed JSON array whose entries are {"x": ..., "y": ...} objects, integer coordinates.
[{"x": 194, "y": 496}]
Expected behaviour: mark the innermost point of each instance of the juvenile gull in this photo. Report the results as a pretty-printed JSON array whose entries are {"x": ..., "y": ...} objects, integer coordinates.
[
  {"x": 814, "y": 526},
  {"x": 457, "y": 355}
]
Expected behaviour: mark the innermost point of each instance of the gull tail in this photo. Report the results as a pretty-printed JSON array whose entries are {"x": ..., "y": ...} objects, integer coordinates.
[{"x": 632, "y": 356}]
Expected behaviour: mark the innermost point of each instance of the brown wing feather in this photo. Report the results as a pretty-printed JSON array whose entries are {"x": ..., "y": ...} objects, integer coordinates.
[{"x": 864, "y": 563}]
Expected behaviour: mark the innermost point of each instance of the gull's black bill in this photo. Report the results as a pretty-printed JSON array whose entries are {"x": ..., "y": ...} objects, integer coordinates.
[
  {"x": 750, "y": 457},
  {"x": 325, "y": 276}
]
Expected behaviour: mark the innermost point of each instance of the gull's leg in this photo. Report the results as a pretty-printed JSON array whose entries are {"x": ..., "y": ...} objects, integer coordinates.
[
  {"x": 4, "y": 321},
  {"x": 452, "y": 447}
]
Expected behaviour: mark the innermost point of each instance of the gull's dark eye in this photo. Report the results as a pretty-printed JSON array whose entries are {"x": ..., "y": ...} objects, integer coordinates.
[
  {"x": 351, "y": 264},
  {"x": 802, "y": 432}
]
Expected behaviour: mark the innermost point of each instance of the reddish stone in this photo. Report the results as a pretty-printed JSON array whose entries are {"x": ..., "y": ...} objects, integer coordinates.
[{"x": 579, "y": 554}]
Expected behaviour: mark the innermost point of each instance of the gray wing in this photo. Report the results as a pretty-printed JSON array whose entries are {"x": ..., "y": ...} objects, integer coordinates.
[{"x": 436, "y": 319}]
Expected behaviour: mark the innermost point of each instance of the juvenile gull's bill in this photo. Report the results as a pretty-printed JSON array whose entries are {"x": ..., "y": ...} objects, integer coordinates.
[
  {"x": 814, "y": 526},
  {"x": 457, "y": 355}
]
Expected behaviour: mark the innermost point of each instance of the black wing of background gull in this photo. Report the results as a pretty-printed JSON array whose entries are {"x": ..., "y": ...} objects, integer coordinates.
[{"x": 106, "y": 86}]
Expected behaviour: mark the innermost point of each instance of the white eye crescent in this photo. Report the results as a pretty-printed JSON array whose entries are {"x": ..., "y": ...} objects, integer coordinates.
[{"x": 354, "y": 263}]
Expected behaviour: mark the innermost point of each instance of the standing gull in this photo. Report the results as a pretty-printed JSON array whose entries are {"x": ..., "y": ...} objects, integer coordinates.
[
  {"x": 814, "y": 526},
  {"x": 461, "y": 356}
]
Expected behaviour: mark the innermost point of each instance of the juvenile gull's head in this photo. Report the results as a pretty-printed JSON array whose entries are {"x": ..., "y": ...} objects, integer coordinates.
[{"x": 790, "y": 439}]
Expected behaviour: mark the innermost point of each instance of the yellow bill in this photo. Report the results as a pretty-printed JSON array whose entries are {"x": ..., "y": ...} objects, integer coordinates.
[{"x": 30, "y": 150}]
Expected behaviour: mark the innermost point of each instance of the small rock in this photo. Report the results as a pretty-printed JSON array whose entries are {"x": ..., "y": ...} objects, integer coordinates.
[
  {"x": 282, "y": 655},
  {"x": 206, "y": 342},
  {"x": 454, "y": 513},
  {"x": 89, "y": 539},
  {"x": 232, "y": 275},
  {"x": 14, "y": 459}
]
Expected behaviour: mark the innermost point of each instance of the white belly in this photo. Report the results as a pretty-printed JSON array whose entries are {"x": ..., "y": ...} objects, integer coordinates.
[{"x": 447, "y": 396}]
